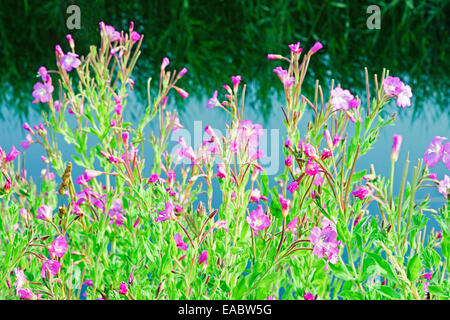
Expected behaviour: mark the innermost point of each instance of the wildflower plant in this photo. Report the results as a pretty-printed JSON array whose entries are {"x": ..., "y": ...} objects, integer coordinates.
[{"x": 323, "y": 231}]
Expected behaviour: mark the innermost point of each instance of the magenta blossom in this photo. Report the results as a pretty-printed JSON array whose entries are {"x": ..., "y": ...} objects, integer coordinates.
[
  {"x": 70, "y": 61},
  {"x": 135, "y": 36},
  {"x": 203, "y": 259},
  {"x": 295, "y": 48},
  {"x": 166, "y": 214},
  {"x": 292, "y": 225},
  {"x": 316, "y": 47},
  {"x": 58, "y": 247},
  {"x": 284, "y": 76},
  {"x": 396, "y": 147},
  {"x": 392, "y": 85},
  {"x": 13, "y": 153},
  {"x": 212, "y": 102},
  {"x": 44, "y": 213},
  {"x": 292, "y": 186},
  {"x": 325, "y": 242},
  {"x": 50, "y": 267},
  {"x": 361, "y": 192},
  {"x": 258, "y": 220},
  {"x": 404, "y": 97},
  {"x": 285, "y": 204},
  {"x": 446, "y": 156},
  {"x": 123, "y": 288},
  {"x": 312, "y": 168},
  {"x": 42, "y": 92},
  {"x": 340, "y": 99},
  {"x": 434, "y": 151},
  {"x": 179, "y": 242},
  {"x": 309, "y": 296},
  {"x": 117, "y": 213},
  {"x": 444, "y": 186}
]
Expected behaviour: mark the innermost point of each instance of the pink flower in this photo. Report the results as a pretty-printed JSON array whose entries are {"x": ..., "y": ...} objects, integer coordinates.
[
  {"x": 182, "y": 92},
  {"x": 295, "y": 48},
  {"x": 340, "y": 98},
  {"x": 326, "y": 153},
  {"x": 309, "y": 296},
  {"x": 236, "y": 80},
  {"x": 288, "y": 161},
  {"x": 135, "y": 36},
  {"x": 403, "y": 99},
  {"x": 26, "y": 294},
  {"x": 258, "y": 220},
  {"x": 361, "y": 192},
  {"x": 392, "y": 85},
  {"x": 58, "y": 247},
  {"x": 434, "y": 151},
  {"x": 21, "y": 279},
  {"x": 284, "y": 77},
  {"x": 153, "y": 178},
  {"x": 272, "y": 297},
  {"x": 50, "y": 267},
  {"x": 292, "y": 225},
  {"x": 44, "y": 213},
  {"x": 110, "y": 32},
  {"x": 309, "y": 151},
  {"x": 255, "y": 195},
  {"x": 44, "y": 74},
  {"x": 89, "y": 283},
  {"x": 354, "y": 103},
  {"x": 123, "y": 288},
  {"x": 70, "y": 61},
  {"x": 293, "y": 186},
  {"x": 444, "y": 186},
  {"x": 446, "y": 156},
  {"x": 274, "y": 56},
  {"x": 285, "y": 203},
  {"x": 316, "y": 47},
  {"x": 12, "y": 154},
  {"x": 182, "y": 73},
  {"x": 42, "y": 92},
  {"x": 427, "y": 275},
  {"x": 312, "y": 168},
  {"x": 166, "y": 214},
  {"x": 165, "y": 63},
  {"x": 203, "y": 259},
  {"x": 212, "y": 102},
  {"x": 179, "y": 242},
  {"x": 117, "y": 213},
  {"x": 396, "y": 147},
  {"x": 325, "y": 242},
  {"x": 318, "y": 179}
]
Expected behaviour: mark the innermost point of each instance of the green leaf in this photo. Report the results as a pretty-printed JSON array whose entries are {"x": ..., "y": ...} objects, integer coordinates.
[
  {"x": 389, "y": 292},
  {"x": 414, "y": 267},
  {"x": 384, "y": 267},
  {"x": 340, "y": 271},
  {"x": 351, "y": 295}
]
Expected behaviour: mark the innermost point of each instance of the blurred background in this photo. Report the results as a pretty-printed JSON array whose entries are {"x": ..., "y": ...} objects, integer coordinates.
[{"x": 217, "y": 39}]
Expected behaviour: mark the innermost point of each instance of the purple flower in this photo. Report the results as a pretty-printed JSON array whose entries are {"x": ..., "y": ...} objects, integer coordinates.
[
  {"x": 434, "y": 151},
  {"x": 179, "y": 242},
  {"x": 316, "y": 47},
  {"x": 50, "y": 267},
  {"x": 444, "y": 186},
  {"x": 89, "y": 283},
  {"x": 292, "y": 186},
  {"x": 42, "y": 92},
  {"x": 285, "y": 204},
  {"x": 325, "y": 242},
  {"x": 427, "y": 275},
  {"x": 153, "y": 178},
  {"x": 292, "y": 225},
  {"x": 295, "y": 48},
  {"x": 165, "y": 63},
  {"x": 111, "y": 33},
  {"x": 312, "y": 168},
  {"x": 236, "y": 80},
  {"x": 288, "y": 161},
  {"x": 69, "y": 61},
  {"x": 166, "y": 214},
  {"x": 44, "y": 213},
  {"x": 284, "y": 77},
  {"x": 446, "y": 156},
  {"x": 361, "y": 192},
  {"x": 258, "y": 220},
  {"x": 13, "y": 153},
  {"x": 392, "y": 85},
  {"x": 309, "y": 296},
  {"x": 58, "y": 247},
  {"x": 340, "y": 98},
  {"x": 396, "y": 147},
  {"x": 117, "y": 213},
  {"x": 44, "y": 74},
  {"x": 212, "y": 102},
  {"x": 203, "y": 259},
  {"x": 123, "y": 288},
  {"x": 135, "y": 36},
  {"x": 404, "y": 97}
]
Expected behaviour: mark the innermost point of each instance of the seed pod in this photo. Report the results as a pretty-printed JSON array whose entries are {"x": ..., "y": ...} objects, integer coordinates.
[{"x": 65, "y": 179}]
